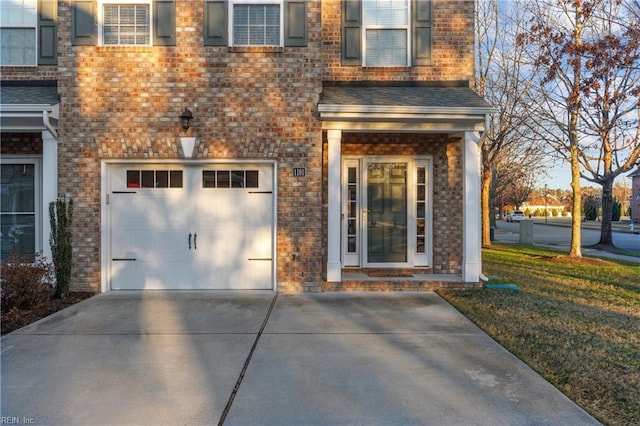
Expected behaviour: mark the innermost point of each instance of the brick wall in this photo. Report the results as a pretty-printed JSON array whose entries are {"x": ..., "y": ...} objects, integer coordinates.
[
  {"x": 21, "y": 143},
  {"x": 453, "y": 46},
  {"x": 447, "y": 186},
  {"x": 41, "y": 72},
  {"x": 124, "y": 103}
]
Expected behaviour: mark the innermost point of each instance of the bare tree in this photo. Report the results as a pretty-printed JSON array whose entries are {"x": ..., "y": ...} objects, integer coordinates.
[
  {"x": 556, "y": 39},
  {"x": 501, "y": 78},
  {"x": 610, "y": 112}
]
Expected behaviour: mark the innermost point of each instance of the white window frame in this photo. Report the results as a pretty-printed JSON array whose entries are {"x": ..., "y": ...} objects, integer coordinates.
[
  {"x": 406, "y": 28},
  {"x": 23, "y": 25},
  {"x": 103, "y": 3},
  {"x": 233, "y": 3},
  {"x": 36, "y": 160}
]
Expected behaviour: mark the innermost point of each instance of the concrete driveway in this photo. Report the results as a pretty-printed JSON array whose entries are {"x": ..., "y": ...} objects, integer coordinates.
[{"x": 257, "y": 358}]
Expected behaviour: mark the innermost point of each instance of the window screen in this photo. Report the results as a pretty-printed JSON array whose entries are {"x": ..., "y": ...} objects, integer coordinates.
[
  {"x": 126, "y": 24},
  {"x": 18, "y": 21},
  {"x": 386, "y": 24},
  {"x": 256, "y": 24}
]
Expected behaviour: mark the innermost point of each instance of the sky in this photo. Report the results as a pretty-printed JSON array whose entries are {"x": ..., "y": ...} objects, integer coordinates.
[{"x": 560, "y": 177}]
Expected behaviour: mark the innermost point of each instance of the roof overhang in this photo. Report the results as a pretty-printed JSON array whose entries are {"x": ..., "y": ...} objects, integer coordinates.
[
  {"x": 28, "y": 118},
  {"x": 402, "y": 118},
  {"x": 400, "y": 107},
  {"x": 28, "y": 106}
]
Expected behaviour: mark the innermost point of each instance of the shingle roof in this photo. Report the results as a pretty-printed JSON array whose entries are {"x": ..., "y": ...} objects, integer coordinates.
[
  {"x": 442, "y": 97},
  {"x": 29, "y": 93}
]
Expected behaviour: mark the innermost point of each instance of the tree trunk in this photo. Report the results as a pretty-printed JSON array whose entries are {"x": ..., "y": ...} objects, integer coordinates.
[
  {"x": 576, "y": 208},
  {"x": 606, "y": 231},
  {"x": 487, "y": 177}
]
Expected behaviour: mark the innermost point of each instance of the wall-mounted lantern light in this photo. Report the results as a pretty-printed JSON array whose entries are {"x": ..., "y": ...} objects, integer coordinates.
[{"x": 185, "y": 119}]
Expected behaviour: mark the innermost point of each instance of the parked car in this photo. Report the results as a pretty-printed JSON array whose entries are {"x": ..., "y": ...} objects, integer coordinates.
[{"x": 515, "y": 216}]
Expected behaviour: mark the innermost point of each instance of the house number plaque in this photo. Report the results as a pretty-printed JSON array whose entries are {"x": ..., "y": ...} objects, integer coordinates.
[{"x": 299, "y": 171}]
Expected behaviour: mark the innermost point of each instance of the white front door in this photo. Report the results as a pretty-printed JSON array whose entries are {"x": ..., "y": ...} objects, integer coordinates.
[
  {"x": 191, "y": 226},
  {"x": 386, "y": 212}
]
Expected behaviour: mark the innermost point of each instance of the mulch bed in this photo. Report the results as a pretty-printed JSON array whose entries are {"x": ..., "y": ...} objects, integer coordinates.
[{"x": 14, "y": 319}]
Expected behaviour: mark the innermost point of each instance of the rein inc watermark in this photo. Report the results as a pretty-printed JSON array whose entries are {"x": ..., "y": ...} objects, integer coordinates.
[{"x": 17, "y": 420}]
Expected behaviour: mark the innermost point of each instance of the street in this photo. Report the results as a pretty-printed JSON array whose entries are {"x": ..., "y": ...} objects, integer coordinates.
[{"x": 557, "y": 235}]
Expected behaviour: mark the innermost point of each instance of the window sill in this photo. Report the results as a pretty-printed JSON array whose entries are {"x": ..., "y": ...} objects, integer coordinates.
[{"x": 255, "y": 49}]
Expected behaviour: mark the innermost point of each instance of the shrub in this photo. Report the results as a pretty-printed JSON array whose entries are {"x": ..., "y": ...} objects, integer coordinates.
[
  {"x": 61, "y": 216},
  {"x": 616, "y": 211},
  {"x": 26, "y": 281},
  {"x": 590, "y": 206}
]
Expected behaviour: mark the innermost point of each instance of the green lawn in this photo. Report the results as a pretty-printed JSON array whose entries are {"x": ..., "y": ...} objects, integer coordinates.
[{"x": 576, "y": 322}]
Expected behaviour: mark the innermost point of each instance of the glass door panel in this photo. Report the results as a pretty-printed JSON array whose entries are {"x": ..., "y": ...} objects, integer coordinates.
[
  {"x": 387, "y": 212},
  {"x": 18, "y": 203}
]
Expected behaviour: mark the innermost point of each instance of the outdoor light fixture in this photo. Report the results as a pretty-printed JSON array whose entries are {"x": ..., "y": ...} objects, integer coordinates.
[{"x": 185, "y": 118}]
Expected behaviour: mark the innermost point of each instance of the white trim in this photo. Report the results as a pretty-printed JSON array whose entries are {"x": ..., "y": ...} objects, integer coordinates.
[
  {"x": 49, "y": 186},
  {"x": 464, "y": 112},
  {"x": 471, "y": 242},
  {"x": 334, "y": 265}
]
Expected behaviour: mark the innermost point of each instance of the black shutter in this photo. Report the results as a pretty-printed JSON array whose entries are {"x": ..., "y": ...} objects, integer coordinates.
[
  {"x": 47, "y": 32},
  {"x": 351, "y": 32},
  {"x": 216, "y": 31},
  {"x": 295, "y": 23},
  {"x": 164, "y": 23},
  {"x": 422, "y": 24},
  {"x": 83, "y": 23}
]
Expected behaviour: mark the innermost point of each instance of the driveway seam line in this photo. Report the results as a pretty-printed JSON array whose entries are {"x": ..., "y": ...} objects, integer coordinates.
[{"x": 227, "y": 407}]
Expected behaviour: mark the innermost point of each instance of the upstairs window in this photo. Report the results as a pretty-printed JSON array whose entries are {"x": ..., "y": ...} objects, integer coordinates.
[
  {"x": 123, "y": 22},
  {"x": 281, "y": 23},
  {"x": 256, "y": 25},
  {"x": 18, "y": 25},
  {"x": 126, "y": 24},
  {"x": 386, "y": 32}
]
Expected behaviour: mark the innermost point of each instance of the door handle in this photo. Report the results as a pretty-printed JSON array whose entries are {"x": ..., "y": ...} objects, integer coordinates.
[
  {"x": 189, "y": 240},
  {"x": 195, "y": 241}
]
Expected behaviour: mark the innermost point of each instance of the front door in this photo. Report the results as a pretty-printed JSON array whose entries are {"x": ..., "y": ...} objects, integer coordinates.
[{"x": 386, "y": 212}]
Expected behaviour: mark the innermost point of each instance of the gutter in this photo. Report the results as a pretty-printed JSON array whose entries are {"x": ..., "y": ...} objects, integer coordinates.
[{"x": 40, "y": 112}]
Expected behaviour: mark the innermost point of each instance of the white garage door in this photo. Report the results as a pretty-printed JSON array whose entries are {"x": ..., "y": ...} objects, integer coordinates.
[{"x": 191, "y": 227}]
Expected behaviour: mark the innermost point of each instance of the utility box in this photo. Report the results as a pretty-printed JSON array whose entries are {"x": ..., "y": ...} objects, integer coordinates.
[{"x": 526, "y": 232}]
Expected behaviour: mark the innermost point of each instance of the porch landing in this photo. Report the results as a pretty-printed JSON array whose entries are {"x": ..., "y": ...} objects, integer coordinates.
[{"x": 396, "y": 280}]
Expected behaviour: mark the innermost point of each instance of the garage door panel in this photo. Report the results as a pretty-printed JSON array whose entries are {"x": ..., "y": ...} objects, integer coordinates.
[{"x": 231, "y": 229}]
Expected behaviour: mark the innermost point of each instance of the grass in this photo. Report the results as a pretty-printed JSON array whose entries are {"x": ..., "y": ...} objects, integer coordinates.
[{"x": 575, "y": 321}]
